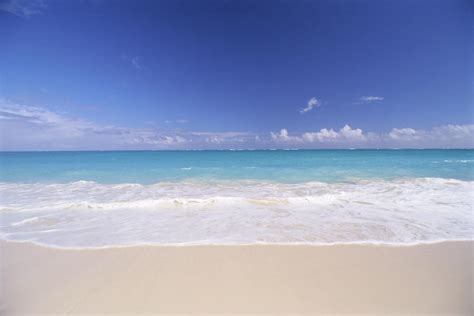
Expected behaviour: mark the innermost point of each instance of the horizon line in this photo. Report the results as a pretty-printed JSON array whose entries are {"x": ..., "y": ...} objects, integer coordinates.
[{"x": 229, "y": 149}]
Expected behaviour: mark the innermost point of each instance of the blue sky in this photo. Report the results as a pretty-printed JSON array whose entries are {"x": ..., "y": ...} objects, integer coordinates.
[{"x": 235, "y": 74}]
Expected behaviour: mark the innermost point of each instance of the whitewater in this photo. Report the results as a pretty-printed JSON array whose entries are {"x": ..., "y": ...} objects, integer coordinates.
[{"x": 90, "y": 214}]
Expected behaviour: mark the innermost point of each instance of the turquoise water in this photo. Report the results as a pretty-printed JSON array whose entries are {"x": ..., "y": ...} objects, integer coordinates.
[
  {"x": 147, "y": 167},
  {"x": 101, "y": 199}
]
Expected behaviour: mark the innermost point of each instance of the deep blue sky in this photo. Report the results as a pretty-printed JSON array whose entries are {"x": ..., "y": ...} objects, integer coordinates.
[{"x": 246, "y": 66}]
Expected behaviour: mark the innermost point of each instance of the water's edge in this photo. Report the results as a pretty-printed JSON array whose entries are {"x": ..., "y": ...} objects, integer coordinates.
[{"x": 256, "y": 244}]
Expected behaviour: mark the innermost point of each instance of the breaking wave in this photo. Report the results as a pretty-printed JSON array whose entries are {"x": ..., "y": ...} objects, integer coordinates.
[{"x": 90, "y": 214}]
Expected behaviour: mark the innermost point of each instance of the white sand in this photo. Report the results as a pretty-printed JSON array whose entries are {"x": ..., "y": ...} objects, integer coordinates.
[{"x": 425, "y": 279}]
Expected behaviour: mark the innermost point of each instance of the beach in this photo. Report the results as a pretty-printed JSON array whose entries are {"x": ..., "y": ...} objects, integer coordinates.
[
  {"x": 381, "y": 232},
  {"x": 236, "y": 157},
  {"x": 275, "y": 279}
]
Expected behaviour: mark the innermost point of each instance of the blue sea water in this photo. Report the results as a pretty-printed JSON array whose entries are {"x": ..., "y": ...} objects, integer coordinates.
[
  {"x": 148, "y": 167},
  {"x": 101, "y": 199}
]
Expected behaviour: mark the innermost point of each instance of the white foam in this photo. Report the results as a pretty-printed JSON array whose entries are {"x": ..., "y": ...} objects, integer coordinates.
[
  {"x": 89, "y": 214},
  {"x": 460, "y": 161}
]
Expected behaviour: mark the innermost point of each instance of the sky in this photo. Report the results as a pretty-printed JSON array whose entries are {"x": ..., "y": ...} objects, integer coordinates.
[{"x": 184, "y": 74}]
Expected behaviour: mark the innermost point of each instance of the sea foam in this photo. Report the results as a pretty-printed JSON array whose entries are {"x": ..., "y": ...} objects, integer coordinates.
[{"x": 90, "y": 214}]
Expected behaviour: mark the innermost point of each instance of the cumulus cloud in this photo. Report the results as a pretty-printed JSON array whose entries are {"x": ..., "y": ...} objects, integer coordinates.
[
  {"x": 23, "y": 8},
  {"x": 447, "y": 136},
  {"x": 346, "y": 133},
  {"x": 312, "y": 103},
  {"x": 323, "y": 135},
  {"x": 283, "y": 136},
  {"x": 352, "y": 133}
]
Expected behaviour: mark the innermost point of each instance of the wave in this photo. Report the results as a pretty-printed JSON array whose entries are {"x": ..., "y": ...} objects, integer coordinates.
[
  {"x": 459, "y": 161},
  {"x": 90, "y": 214}
]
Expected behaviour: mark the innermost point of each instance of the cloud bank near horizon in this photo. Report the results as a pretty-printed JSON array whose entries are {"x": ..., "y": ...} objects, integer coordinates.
[
  {"x": 34, "y": 128},
  {"x": 446, "y": 136}
]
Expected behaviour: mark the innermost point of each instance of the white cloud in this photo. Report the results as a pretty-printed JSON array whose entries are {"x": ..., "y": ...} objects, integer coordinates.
[
  {"x": 153, "y": 138},
  {"x": 447, "y": 136},
  {"x": 225, "y": 137},
  {"x": 23, "y": 8},
  {"x": 323, "y": 135},
  {"x": 170, "y": 140},
  {"x": 223, "y": 140},
  {"x": 135, "y": 61},
  {"x": 34, "y": 128},
  {"x": 25, "y": 127},
  {"x": 369, "y": 99},
  {"x": 346, "y": 133},
  {"x": 39, "y": 117},
  {"x": 283, "y": 136},
  {"x": 404, "y": 134},
  {"x": 352, "y": 134},
  {"x": 180, "y": 121},
  {"x": 223, "y": 134},
  {"x": 312, "y": 103},
  {"x": 456, "y": 132}
]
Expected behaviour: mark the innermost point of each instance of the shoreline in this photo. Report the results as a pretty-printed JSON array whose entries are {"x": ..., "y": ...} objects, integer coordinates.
[
  {"x": 316, "y": 279},
  {"x": 251, "y": 244}
]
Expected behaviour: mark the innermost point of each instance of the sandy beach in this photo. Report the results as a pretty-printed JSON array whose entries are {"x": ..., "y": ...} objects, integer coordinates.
[{"x": 359, "y": 279}]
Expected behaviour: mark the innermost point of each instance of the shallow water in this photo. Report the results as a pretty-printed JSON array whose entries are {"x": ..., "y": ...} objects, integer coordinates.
[{"x": 147, "y": 167}]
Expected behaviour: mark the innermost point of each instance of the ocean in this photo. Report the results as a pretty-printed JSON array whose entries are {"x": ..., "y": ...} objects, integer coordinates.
[{"x": 120, "y": 198}]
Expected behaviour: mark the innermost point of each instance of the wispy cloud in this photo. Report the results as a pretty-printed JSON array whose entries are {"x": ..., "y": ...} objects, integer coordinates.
[
  {"x": 312, "y": 103},
  {"x": 23, "y": 8},
  {"x": 180, "y": 121},
  {"x": 25, "y": 127},
  {"x": 135, "y": 61},
  {"x": 369, "y": 99},
  {"x": 404, "y": 134},
  {"x": 221, "y": 138}
]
